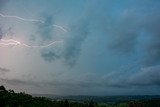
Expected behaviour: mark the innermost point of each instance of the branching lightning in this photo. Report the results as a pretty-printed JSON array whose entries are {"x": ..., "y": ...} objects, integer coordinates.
[
  {"x": 12, "y": 42},
  {"x": 30, "y": 20}
]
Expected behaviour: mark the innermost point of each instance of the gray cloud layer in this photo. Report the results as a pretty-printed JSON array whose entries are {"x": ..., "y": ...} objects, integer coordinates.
[
  {"x": 125, "y": 31},
  {"x": 4, "y": 70},
  {"x": 146, "y": 77},
  {"x": 2, "y": 3},
  {"x": 133, "y": 25},
  {"x": 1, "y": 34},
  {"x": 72, "y": 45},
  {"x": 50, "y": 55},
  {"x": 45, "y": 30}
]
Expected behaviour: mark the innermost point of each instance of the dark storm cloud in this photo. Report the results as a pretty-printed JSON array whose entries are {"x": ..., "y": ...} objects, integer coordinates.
[
  {"x": 72, "y": 45},
  {"x": 125, "y": 34},
  {"x": 49, "y": 55},
  {"x": 146, "y": 77},
  {"x": 123, "y": 30},
  {"x": 45, "y": 29},
  {"x": 127, "y": 30},
  {"x": 86, "y": 81},
  {"x": 153, "y": 53},
  {"x": 153, "y": 46}
]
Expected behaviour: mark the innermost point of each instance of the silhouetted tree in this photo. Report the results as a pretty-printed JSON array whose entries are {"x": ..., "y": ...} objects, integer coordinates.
[
  {"x": 10, "y": 91},
  {"x": 2, "y": 88},
  {"x": 66, "y": 103},
  {"x": 91, "y": 104}
]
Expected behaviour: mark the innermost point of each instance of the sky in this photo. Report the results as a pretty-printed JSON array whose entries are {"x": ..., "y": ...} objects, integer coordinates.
[{"x": 80, "y": 47}]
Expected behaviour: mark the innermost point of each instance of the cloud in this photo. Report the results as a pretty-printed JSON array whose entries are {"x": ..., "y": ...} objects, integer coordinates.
[
  {"x": 18, "y": 82},
  {"x": 45, "y": 29},
  {"x": 130, "y": 28},
  {"x": 125, "y": 33},
  {"x": 146, "y": 77},
  {"x": 50, "y": 55},
  {"x": 2, "y": 3},
  {"x": 4, "y": 70},
  {"x": 72, "y": 44},
  {"x": 137, "y": 28},
  {"x": 153, "y": 55},
  {"x": 153, "y": 46},
  {"x": 1, "y": 34},
  {"x": 86, "y": 81},
  {"x": 93, "y": 81},
  {"x": 123, "y": 29}
]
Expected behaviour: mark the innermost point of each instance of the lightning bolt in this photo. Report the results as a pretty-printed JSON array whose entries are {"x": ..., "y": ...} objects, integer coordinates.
[
  {"x": 31, "y": 20},
  {"x": 12, "y": 42}
]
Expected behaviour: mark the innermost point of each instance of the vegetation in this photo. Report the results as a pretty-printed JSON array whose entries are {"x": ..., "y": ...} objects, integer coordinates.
[{"x": 8, "y": 98}]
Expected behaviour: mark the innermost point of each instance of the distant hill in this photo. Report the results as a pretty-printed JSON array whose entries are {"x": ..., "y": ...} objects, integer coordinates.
[{"x": 102, "y": 99}]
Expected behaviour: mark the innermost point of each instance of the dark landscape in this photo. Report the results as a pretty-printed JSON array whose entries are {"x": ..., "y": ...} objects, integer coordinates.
[{"x": 8, "y": 98}]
